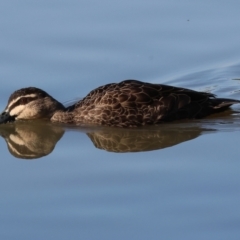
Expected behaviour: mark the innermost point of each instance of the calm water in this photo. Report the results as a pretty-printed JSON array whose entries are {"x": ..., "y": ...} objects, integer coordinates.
[{"x": 176, "y": 181}]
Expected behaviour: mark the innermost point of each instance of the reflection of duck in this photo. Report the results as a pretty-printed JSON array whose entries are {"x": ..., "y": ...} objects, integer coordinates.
[
  {"x": 38, "y": 139},
  {"x": 144, "y": 139},
  {"x": 126, "y": 104},
  {"x": 31, "y": 141}
]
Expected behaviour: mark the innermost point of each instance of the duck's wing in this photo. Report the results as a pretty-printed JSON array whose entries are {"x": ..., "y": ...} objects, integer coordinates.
[
  {"x": 139, "y": 103},
  {"x": 168, "y": 102},
  {"x": 145, "y": 93}
]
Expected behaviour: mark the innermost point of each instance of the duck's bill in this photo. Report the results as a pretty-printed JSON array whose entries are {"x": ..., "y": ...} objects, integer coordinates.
[{"x": 5, "y": 118}]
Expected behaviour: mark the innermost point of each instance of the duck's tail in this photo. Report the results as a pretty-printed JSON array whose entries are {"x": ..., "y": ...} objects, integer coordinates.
[{"x": 223, "y": 103}]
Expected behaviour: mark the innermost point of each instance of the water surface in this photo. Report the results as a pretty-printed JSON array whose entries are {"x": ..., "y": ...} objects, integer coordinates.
[{"x": 176, "y": 181}]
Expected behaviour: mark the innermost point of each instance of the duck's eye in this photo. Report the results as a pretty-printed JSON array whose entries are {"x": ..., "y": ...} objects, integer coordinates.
[{"x": 23, "y": 101}]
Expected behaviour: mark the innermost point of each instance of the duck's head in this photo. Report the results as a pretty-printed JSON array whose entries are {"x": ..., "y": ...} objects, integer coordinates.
[{"x": 30, "y": 103}]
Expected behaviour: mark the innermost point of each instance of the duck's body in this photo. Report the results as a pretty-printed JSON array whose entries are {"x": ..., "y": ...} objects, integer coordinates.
[{"x": 129, "y": 103}]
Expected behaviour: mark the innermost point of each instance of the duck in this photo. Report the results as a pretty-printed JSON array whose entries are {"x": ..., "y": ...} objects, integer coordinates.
[{"x": 129, "y": 103}]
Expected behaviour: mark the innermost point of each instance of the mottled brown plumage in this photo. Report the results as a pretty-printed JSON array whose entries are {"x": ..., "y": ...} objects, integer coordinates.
[{"x": 129, "y": 103}]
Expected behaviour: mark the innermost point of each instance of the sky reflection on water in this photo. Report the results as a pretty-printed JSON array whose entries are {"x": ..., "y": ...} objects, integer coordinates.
[{"x": 188, "y": 191}]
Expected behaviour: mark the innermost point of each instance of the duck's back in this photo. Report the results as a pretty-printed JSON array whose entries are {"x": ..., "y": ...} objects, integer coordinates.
[{"x": 133, "y": 103}]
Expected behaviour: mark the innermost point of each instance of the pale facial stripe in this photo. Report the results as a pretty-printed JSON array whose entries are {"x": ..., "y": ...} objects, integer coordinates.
[
  {"x": 16, "y": 99},
  {"x": 16, "y": 139},
  {"x": 16, "y": 110},
  {"x": 15, "y": 144}
]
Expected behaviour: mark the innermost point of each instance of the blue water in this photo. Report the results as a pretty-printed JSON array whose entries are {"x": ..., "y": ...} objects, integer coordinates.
[{"x": 187, "y": 190}]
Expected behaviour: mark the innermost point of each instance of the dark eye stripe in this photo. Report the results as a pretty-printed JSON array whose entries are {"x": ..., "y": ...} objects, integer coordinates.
[{"x": 22, "y": 101}]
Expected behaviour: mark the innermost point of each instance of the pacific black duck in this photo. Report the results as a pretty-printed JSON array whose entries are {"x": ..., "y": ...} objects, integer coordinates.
[{"x": 130, "y": 103}]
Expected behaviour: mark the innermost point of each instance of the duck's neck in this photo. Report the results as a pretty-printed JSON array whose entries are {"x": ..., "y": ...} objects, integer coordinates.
[
  {"x": 62, "y": 116},
  {"x": 77, "y": 113}
]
